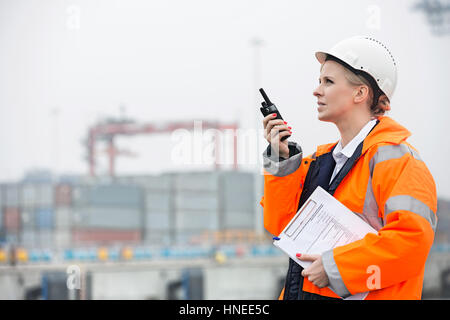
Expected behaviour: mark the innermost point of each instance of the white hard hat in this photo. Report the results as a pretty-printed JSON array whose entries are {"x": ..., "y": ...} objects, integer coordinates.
[{"x": 368, "y": 55}]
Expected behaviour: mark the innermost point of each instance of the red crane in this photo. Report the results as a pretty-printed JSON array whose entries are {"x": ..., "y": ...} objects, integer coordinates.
[{"x": 107, "y": 131}]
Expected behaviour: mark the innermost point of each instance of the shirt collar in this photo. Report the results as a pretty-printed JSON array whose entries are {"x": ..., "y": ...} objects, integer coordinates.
[{"x": 350, "y": 148}]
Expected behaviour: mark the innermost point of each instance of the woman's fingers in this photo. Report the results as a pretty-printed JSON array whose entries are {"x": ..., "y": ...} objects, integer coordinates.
[
  {"x": 268, "y": 118},
  {"x": 274, "y": 123},
  {"x": 279, "y": 130},
  {"x": 274, "y": 127}
]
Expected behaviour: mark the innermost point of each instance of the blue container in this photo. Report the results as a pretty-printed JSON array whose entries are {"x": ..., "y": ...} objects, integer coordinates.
[
  {"x": 68, "y": 254},
  {"x": 114, "y": 254},
  {"x": 44, "y": 219},
  {"x": 35, "y": 256}
]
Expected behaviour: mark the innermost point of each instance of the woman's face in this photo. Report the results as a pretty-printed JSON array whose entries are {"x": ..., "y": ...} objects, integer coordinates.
[{"x": 334, "y": 93}]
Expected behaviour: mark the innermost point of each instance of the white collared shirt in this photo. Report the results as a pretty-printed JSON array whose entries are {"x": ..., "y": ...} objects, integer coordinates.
[{"x": 341, "y": 155}]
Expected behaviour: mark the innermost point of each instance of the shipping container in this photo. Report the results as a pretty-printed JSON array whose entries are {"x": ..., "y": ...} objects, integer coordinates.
[
  {"x": 45, "y": 195},
  {"x": 108, "y": 217},
  {"x": 238, "y": 220},
  {"x": 1, "y": 217},
  {"x": 12, "y": 237},
  {"x": 2, "y": 197},
  {"x": 104, "y": 236},
  {"x": 44, "y": 218},
  {"x": 151, "y": 182},
  {"x": 2, "y": 236},
  {"x": 63, "y": 218},
  {"x": 11, "y": 219},
  {"x": 238, "y": 192},
  {"x": 28, "y": 219},
  {"x": 158, "y": 238},
  {"x": 45, "y": 239},
  {"x": 62, "y": 239},
  {"x": 199, "y": 181},
  {"x": 36, "y": 195},
  {"x": 11, "y": 195},
  {"x": 158, "y": 201},
  {"x": 109, "y": 195},
  {"x": 29, "y": 195},
  {"x": 203, "y": 220},
  {"x": 29, "y": 238},
  {"x": 157, "y": 221},
  {"x": 63, "y": 195},
  {"x": 196, "y": 200}
]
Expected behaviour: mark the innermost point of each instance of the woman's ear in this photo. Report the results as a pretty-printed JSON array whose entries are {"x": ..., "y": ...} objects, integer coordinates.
[{"x": 362, "y": 93}]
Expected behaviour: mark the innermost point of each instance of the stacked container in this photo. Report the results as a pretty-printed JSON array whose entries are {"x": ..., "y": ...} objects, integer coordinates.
[
  {"x": 196, "y": 204},
  {"x": 11, "y": 213},
  {"x": 37, "y": 215},
  {"x": 2, "y": 230},
  {"x": 63, "y": 215},
  {"x": 159, "y": 214},
  {"x": 107, "y": 214},
  {"x": 172, "y": 208},
  {"x": 238, "y": 200}
]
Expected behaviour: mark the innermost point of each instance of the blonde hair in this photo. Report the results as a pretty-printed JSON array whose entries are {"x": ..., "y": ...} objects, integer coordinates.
[{"x": 358, "y": 80}]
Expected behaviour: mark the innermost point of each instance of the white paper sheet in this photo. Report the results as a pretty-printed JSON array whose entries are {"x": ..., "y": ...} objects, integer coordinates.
[{"x": 321, "y": 224}]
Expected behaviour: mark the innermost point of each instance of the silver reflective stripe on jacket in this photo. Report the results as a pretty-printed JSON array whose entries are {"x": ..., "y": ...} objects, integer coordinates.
[
  {"x": 370, "y": 209},
  {"x": 408, "y": 203},
  {"x": 390, "y": 152},
  {"x": 334, "y": 277},
  {"x": 401, "y": 202},
  {"x": 285, "y": 167}
]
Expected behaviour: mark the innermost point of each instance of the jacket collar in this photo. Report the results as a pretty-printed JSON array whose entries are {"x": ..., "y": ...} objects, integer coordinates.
[{"x": 386, "y": 131}]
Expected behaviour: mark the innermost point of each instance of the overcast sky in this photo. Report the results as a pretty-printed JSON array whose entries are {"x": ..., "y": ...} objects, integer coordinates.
[{"x": 66, "y": 64}]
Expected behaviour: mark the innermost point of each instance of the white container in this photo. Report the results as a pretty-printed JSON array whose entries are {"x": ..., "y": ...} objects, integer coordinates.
[
  {"x": 108, "y": 195},
  {"x": 199, "y": 181},
  {"x": 29, "y": 195},
  {"x": 157, "y": 201},
  {"x": 196, "y": 200},
  {"x": 11, "y": 195},
  {"x": 203, "y": 220},
  {"x": 62, "y": 239},
  {"x": 2, "y": 196},
  {"x": 45, "y": 195},
  {"x": 45, "y": 239},
  {"x": 238, "y": 220},
  {"x": 28, "y": 218},
  {"x": 157, "y": 221},
  {"x": 28, "y": 238},
  {"x": 237, "y": 192},
  {"x": 63, "y": 218},
  {"x": 108, "y": 218}
]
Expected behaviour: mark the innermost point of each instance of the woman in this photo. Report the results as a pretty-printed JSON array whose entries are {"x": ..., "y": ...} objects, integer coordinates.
[{"x": 372, "y": 170}]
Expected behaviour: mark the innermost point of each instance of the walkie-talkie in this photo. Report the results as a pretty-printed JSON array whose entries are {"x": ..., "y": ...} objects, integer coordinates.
[{"x": 268, "y": 108}]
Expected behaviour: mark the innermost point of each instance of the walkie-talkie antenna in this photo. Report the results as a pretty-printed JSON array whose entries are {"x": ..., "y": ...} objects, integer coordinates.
[{"x": 266, "y": 98}]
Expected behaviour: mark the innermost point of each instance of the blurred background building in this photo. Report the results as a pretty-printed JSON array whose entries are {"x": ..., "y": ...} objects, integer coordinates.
[{"x": 107, "y": 191}]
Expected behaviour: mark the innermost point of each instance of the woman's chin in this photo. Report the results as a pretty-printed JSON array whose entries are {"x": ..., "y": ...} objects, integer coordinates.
[{"x": 322, "y": 116}]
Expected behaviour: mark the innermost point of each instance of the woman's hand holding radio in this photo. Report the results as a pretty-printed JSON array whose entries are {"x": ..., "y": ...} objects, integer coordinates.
[{"x": 274, "y": 130}]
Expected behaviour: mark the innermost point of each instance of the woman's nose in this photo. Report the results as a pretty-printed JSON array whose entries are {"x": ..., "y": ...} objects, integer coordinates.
[{"x": 317, "y": 92}]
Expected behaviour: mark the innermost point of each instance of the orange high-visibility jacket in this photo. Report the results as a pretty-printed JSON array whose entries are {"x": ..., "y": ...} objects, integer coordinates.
[{"x": 391, "y": 188}]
